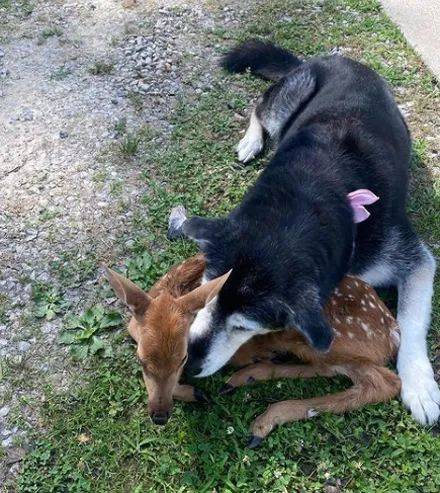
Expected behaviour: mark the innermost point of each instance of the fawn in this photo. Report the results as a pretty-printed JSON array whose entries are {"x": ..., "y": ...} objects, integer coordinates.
[
  {"x": 366, "y": 338},
  {"x": 160, "y": 326}
]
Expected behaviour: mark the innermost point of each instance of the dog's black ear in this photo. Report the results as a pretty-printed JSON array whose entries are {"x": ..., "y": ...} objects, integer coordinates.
[
  {"x": 311, "y": 322},
  {"x": 313, "y": 325},
  {"x": 204, "y": 231}
]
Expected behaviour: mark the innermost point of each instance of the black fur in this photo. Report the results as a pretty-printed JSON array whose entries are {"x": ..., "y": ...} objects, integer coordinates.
[
  {"x": 293, "y": 238},
  {"x": 261, "y": 58}
]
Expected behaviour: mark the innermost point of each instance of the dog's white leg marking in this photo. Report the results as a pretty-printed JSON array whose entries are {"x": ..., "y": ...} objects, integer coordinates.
[
  {"x": 252, "y": 142},
  {"x": 175, "y": 222},
  {"x": 420, "y": 392}
]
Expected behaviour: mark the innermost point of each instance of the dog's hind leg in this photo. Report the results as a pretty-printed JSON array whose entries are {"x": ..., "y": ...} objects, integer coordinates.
[
  {"x": 278, "y": 104},
  {"x": 372, "y": 384},
  {"x": 420, "y": 392},
  {"x": 282, "y": 100},
  {"x": 253, "y": 141}
]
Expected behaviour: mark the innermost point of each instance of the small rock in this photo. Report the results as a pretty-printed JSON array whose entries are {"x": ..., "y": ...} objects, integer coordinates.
[
  {"x": 23, "y": 346},
  {"x": 63, "y": 134},
  {"x": 7, "y": 442},
  {"x": 331, "y": 489},
  {"x": 15, "y": 454},
  {"x": 27, "y": 115},
  {"x": 4, "y": 411}
]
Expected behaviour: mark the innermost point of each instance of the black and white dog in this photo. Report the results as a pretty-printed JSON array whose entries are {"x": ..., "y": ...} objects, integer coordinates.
[{"x": 341, "y": 144}]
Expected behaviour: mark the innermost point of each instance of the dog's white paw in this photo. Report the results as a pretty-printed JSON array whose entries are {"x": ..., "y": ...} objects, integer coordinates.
[
  {"x": 248, "y": 147},
  {"x": 175, "y": 222},
  {"x": 420, "y": 392}
]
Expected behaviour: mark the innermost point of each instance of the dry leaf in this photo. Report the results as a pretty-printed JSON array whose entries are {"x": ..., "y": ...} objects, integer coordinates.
[{"x": 83, "y": 438}]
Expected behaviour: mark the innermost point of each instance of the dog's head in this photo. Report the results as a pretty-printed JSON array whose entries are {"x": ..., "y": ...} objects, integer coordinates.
[
  {"x": 285, "y": 261},
  {"x": 160, "y": 327},
  {"x": 257, "y": 297}
]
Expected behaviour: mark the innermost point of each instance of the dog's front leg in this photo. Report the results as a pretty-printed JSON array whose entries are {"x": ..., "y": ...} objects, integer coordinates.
[
  {"x": 420, "y": 392},
  {"x": 175, "y": 222}
]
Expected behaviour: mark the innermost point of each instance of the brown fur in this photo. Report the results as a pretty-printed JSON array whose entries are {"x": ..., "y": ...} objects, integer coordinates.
[{"x": 160, "y": 326}]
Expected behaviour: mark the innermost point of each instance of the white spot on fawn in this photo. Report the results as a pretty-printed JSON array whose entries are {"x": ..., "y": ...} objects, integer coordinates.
[
  {"x": 311, "y": 413},
  {"x": 395, "y": 337}
]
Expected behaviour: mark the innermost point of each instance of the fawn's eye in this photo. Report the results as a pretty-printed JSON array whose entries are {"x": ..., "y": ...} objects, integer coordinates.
[
  {"x": 184, "y": 360},
  {"x": 143, "y": 363}
]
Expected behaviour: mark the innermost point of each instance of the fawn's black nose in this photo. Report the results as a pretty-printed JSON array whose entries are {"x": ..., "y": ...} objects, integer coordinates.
[{"x": 160, "y": 418}]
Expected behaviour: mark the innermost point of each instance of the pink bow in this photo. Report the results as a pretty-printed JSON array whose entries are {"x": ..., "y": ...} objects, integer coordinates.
[{"x": 357, "y": 200}]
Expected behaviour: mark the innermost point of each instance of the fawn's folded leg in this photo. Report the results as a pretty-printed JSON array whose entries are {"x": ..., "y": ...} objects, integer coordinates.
[
  {"x": 268, "y": 371},
  {"x": 371, "y": 385},
  {"x": 188, "y": 393}
]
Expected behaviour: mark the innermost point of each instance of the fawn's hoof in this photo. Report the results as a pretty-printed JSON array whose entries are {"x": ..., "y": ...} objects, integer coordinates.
[
  {"x": 254, "y": 442},
  {"x": 201, "y": 396},
  {"x": 226, "y": 389}
]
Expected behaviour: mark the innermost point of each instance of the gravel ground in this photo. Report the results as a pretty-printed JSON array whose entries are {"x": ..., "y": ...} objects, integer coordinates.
[{"x": 73, "y": 77}]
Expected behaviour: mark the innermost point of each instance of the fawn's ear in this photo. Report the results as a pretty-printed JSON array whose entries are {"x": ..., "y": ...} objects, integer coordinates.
[
  {"x": 133, "y": 296},
  {"x": 201, "y": 296},
  {"x": 357, "y": 200}
]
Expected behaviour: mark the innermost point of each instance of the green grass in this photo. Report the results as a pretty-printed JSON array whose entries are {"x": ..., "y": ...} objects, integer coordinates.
[
  {"x": 129, "y": 145},
  {"x": 51, "y": 31},
  {"x": 4, "y": 300},
  {"x": 99, "y": 437},
  {"x": 101, "y": 68},
  {"x": 48, "y": 301},
  {"x": 19, "y": 8},
  {"x": 61, "y": 73}
]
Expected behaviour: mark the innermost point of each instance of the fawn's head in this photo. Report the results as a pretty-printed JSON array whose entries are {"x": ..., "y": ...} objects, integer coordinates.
[{"x": 160, "y": 326}]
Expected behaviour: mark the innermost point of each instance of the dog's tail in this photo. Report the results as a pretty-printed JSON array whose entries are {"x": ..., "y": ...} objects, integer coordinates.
[{"x": 261, "y": 58}]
